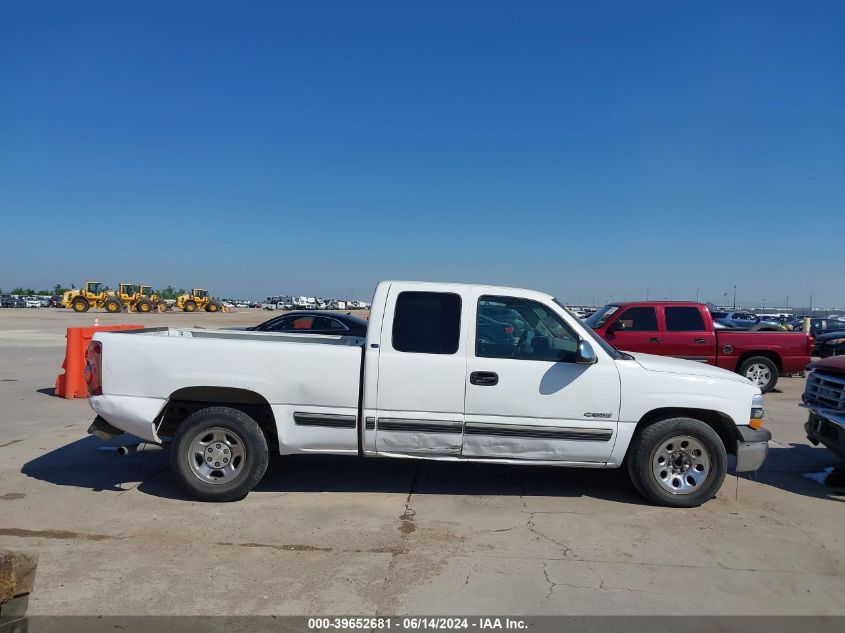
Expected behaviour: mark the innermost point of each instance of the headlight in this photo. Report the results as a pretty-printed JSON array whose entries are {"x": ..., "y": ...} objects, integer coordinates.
[{"x": 756, "y": 420}]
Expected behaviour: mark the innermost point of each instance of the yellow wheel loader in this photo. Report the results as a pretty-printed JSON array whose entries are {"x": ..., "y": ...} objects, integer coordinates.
[
  {"x": 127, "y": 296},
  {"x": 150, "y": 301},
  {"x": 197, "y": 300},
  {"x": 90, "y": 296}
]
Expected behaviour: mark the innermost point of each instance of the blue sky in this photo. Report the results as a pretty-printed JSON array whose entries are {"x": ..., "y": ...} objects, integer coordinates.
[{"x": 586, "y": 149}]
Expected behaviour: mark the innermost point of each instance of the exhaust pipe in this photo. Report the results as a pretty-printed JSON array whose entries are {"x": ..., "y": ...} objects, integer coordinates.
[{"x": 128, "y": 449}]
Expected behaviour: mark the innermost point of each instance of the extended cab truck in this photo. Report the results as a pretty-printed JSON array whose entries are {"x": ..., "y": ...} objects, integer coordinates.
[
  {"x": 428, "y": 382},
  {"x": 685, "y": 330}
]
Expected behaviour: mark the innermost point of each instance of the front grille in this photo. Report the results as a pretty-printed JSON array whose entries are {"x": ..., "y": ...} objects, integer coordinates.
[{"x": 825, "y": 391}]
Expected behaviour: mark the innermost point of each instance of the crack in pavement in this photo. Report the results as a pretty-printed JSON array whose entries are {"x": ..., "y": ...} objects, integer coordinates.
[
  {"x": 407, "y": 526},
  {"x": 563, "y": 546},
  {"x": 301, "y": 547},
  {"x": 643, "y": 564},
  {"x": 55, "y": 534},
  {"x": 473, "y": 571}
]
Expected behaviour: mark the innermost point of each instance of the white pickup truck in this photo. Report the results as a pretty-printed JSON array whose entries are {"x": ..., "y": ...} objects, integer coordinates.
[{"x": 447, "y": 371}]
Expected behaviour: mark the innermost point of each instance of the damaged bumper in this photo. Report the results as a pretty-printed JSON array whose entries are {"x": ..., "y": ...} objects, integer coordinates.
[
  {"x": 130, "y": 414},
  {"x": 752, "y": 448}
]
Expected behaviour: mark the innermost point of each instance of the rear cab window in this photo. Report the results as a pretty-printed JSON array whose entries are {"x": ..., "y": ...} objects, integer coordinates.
[
  {"x": 683, "y": 319},
  {"x": 427, "y": 322}
]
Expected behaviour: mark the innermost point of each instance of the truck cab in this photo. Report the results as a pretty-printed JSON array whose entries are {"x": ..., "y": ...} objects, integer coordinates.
[{"x": 680, "y": 329}]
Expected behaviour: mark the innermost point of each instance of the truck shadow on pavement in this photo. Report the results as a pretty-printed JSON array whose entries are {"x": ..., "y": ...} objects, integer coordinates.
[{"x": 81, "y": 464}]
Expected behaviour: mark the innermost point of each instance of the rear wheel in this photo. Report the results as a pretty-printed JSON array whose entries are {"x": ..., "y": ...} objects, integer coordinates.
[
  {"x": 144, "y": 305},
  {"x": 761, "y": 371},
  {"x": 679, "y": 462},
  {"x": 190, "y": 306},
  {"x": 80, "y": 304},
  {"x": 212, "y": 307},
  {"x": 113, "y": 305},
  {"x": 161, "y": 307},
  {"x": 219, "y": 454}
]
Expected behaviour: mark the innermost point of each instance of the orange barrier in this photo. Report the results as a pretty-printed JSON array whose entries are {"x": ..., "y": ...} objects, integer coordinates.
[{"x": 71, "y": 384}]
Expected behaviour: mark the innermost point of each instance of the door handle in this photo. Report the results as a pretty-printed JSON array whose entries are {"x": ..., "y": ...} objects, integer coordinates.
[
  {"x": 484, "y": 378},
  {"x": 700, "y": 341},
  {"x": 654, "y": 339}
]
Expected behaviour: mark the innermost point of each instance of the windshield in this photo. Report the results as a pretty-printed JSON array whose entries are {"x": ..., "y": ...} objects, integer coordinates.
[
  {"x": 198, "y": 292},
  {"x": 146, "y": 290},
  {"x": 600, "y": 316},
  {"x": 611, "y": 351},
  {"x": 95, "y": 288}
]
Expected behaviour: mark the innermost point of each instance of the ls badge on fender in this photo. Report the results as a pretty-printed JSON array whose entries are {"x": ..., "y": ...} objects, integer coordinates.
[{"x": 591, "y": 414}]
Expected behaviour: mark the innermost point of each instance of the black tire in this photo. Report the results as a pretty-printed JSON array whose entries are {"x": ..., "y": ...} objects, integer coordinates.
[
  {"x": 248, "y": 435},
  {"x": 80, "y": 304},
  {"x": 650, "y": 441},
  {"x": 755, "y": 365},
  {"x": 190, "y": 306},
  {"x": 144, "y": 305},
  {"x": 212, "y": 306},
  {"x": 113, "y": 305}
]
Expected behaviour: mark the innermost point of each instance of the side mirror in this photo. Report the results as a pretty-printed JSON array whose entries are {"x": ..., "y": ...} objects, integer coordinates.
[
  {"x": 585, "y": 355},
  {"x": 616, "y": 326}
]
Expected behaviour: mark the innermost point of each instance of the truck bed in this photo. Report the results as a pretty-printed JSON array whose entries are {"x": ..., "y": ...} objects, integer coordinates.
[{"x": 318, "y": 373}]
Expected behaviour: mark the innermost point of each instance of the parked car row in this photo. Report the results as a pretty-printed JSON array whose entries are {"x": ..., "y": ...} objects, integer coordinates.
[
  {"x": 311, "y": 303},
  {"x": 12, "y": 301}
]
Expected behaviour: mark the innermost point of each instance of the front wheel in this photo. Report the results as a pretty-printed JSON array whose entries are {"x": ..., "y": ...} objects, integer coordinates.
[
  {"x": 113, "y": 305},
  {"x": 679, "y": 462},
  {"x": 219, "y": 454},
  {"x": 80, "y": 304},
  {"x": 761, "y": 371}
]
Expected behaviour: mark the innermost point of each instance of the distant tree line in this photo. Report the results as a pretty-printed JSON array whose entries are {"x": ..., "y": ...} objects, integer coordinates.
[{"x": 170, "y": 292}]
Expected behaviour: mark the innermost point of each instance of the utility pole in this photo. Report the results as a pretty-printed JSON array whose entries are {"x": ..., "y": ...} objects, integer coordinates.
[
  {"x": 734, "y": 297},
  {"x": 811, "y": 305},
  {"x": 648, "y": 294},
  {"x": 696, "y": 294}
]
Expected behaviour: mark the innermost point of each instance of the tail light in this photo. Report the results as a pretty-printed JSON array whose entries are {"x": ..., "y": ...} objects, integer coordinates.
[
  {"x": 811, "y": 339},
  {"x": 508, "y": 329},
  {"x": 94, "y": 368}
]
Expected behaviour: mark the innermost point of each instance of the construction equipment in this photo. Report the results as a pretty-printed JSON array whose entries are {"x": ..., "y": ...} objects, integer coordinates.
[
  {"x": 128, "y": 296},
  {"x": 90, "y": 296},
  {"x": 150, "y": 301},
  {"x": 198, "y": 299}
]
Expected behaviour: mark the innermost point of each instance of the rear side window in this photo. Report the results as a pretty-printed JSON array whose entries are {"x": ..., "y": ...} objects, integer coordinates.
[
  {"x": 325, "y": 323},
  {"x": 684, "y": 319},
  {"x": 427, "y": 322},
  {"x": 301, "y": 323},
  {"x": 641, "y": 319}
]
